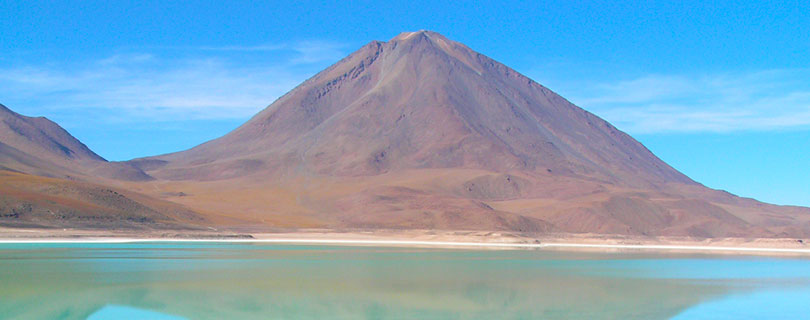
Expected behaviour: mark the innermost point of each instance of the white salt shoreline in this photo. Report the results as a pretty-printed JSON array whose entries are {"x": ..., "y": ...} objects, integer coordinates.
[{"x": 423, "y": 243}]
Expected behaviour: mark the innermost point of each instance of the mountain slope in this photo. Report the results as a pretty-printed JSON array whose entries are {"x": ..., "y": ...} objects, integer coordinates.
[
  {"x": 422, "y": 101},
  {"x": 52, "y": 151},
  {"x": 421, "y": 132},
  {"x": 35, "y": 201},
  {"x": 50, "y": 179}
]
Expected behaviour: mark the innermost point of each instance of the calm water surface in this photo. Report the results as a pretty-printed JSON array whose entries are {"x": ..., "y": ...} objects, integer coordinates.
[{"x": 261, "y": 281}]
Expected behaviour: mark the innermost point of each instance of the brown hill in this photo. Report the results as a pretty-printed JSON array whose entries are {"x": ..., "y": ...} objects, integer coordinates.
[
  {"x": 35, "y": 201},
  {"x": 50, "y": 179},
  {"x": 422, "y": 132},
  {"x": 40, "y": 146}
]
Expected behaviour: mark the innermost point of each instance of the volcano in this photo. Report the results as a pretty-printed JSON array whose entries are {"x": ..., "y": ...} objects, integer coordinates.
[
  {"x": 421, "y": 132},
  {"x": 422, "y": 101}
]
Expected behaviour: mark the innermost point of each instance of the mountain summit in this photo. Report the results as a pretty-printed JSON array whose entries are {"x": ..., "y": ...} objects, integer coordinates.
[
  {"x": 423, "y": 101},
  {"x": 421, "y": 132}
]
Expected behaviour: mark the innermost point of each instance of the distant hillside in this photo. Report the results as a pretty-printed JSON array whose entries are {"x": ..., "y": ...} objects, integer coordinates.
[
  {"x": 40, "y": 146},
  {"x": 34, "y": 201},
  {"x": 50, "y": 179}
]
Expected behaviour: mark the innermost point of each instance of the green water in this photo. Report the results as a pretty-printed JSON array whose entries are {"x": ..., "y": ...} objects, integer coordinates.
[{"x": 259, "y": 281}]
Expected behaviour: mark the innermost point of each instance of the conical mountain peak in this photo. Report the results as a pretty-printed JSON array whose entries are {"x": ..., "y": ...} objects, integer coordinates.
[
  {"x": 419, "y": 132},
  {"x": 409, "y": 34},
  {"x": 421, "y": 35},
  {"x": 413, "y": 44},
  {"x": 421, "y": 100}
]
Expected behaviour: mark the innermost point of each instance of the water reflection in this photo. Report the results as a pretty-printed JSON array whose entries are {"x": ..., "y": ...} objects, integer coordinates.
[
  {"x": 214, "y": 281},
  {"x": 116, "y": 312},
  {"x": 765, "y": 304}
]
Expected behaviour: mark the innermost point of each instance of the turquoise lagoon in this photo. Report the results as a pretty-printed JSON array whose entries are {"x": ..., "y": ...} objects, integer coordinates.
[{"x": 270, "y": 281}]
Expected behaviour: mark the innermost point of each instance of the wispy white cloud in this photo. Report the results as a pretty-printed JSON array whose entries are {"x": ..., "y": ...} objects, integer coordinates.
[
  {"x": 150, "y": 86},
  {"x": 126, "y": 59},
  {"x": 305, "y": 52},
  {"x": 195, "y": 89},
  {"x": 265, "y": 47},
  {"x": 762, "y": 100},
  {"x": 316, "y": 51}
]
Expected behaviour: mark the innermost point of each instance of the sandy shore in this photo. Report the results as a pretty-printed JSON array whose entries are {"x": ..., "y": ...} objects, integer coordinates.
[{"x": 427, "y": 239}]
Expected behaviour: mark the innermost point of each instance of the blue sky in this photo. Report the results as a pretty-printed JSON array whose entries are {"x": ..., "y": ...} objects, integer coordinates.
[{"x": 720, "y": 92}]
